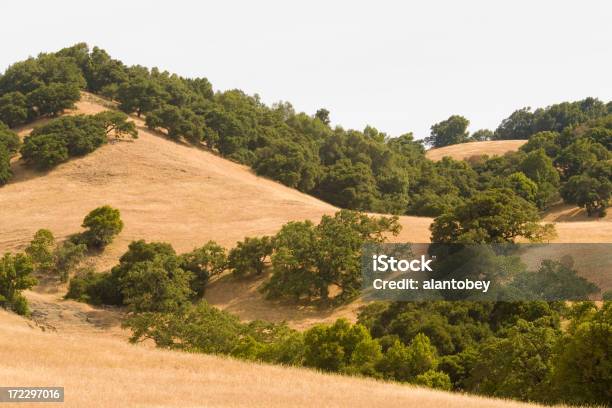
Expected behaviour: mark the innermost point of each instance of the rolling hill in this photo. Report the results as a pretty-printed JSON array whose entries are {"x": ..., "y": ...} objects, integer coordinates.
[
  {"x": 466, "y": 150},
  {"x": 120, "y": 374},
  {"x": 178, "y": 193},
  {"x": 167, "y": 191}
]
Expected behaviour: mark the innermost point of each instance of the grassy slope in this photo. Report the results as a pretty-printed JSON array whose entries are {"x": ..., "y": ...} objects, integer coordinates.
[
  {"x": 187, "y": 196},
  {"x": 466, "y": 150},
  {"x": 100, "y": 371}
]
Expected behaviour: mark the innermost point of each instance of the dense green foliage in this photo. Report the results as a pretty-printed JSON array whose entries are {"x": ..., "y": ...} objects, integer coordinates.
[
  {"x": 204, "y": 263},
  {"x": 9, "y": 139},
  {"x": 249, "y": 256},
  {"x": 71, "y": 136},
  {"x": 506, "y": 349},
  {"x": 523, "y": 123},
  {"x": 51, "y": 258},
  {"x": 40, "y": 251},
  {"x": 40, "y": 86},
  {"x": 361, "y": 170},
  {"x": 5, "y": 165},
  {"x": 512, "y": 350},
  {"x": 9, "y": 144},
  {"x": 103, "y": 224},
  {"x": 308, "y": 260},
  {"x": 495, "y": 216},
  {"x": 449, "y": 132},
  {"x": 583, "y": 362},
  {"x": 152, "y": 277},
  {"x": 15, "y": 276}
]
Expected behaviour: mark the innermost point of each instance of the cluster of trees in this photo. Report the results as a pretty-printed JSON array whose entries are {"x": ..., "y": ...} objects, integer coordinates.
[
  {"x": 151, "y": 276},
  {"x": 42, "y": 86},
  {"x": 360, "y": 170},
  {"x": 307, "y": 260},
  {"x": 506, "y": 349},
  {"x": 70, "y": 136},
  {"x": 523, "y": 123},
  {"x": 52, "y": 258},
  {"x": 341, "y": 347},
  {"x": 15, "y": 276},
  {"x": 582, "y": 159},
  {"x": 511, "y": 350},
  {"x": 9, "y": 145},
  {"x": 493, "y": 216},
  {"x": 46, "y": 257}
]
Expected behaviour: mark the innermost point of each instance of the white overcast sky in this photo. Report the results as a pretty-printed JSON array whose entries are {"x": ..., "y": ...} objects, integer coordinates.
[{"x": 397, "y": 65}]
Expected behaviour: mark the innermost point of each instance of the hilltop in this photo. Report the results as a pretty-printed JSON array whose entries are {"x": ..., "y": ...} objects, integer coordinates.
[
  {"x": 165, "y": 191},
  {"x": 464, "y": 151}
]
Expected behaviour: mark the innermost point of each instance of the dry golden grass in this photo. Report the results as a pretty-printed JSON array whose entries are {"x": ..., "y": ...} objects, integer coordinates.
[
  {"x": 169, "y": 192},
  {"x": 166, "y": 191},
  {"x": 466, "y": 150},
  {"x": 98, "y": 371},
  {"x": 180, "y": 194},
  {"x": 183, "y": 195}
]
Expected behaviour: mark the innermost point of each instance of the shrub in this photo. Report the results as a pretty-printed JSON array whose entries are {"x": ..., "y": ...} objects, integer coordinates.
[
  {"x": 67, "y": 256},
  {"x": 62, "y": 138},
  {"x": 518, "y": 364},
  {"x": 433, "y": 379},
  {"x": 116, "y": 123},
  {"x": 15, "y": 276},
  {"x": 203, "y": 263},
  {"x": 334, "y": 348},
  {"x": 159, "y": 285},
  {"x": 248, "y": 257},
  {"x": 201, "y": 328},
  {"x": 592, "y": 190},
  {"x": 5, "y": 165},
  {"x": 149, "y": 279},
  {"x": 44, "y": 151},
  {"x": 493, "y": 216},
  {"x": 404, "y": 363},
  {"x": 52, "y": 99},
  {"x": 9, "y": 139},
  {"x": 40, "y": 251},
  {"x": 583, "y": 363},
  {"x": 102, "y": 224},
  {"x": 13, "y": 108},
  {"x": 95, "y": 288}
]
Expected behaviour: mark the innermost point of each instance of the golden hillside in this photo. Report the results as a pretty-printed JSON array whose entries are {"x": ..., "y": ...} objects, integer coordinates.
[
  {"x": 466, "y": 150},
  {"x": 180, "y": 194},
  {"x": 165, "y": 191},
  {"x": 119, "y": 375}
]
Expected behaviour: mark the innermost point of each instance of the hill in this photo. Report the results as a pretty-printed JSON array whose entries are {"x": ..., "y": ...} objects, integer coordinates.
[
  {"x": 167, "y": 191},
  {"x": 120, "y": 374},
  {"x": 465, "y": 150}
]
